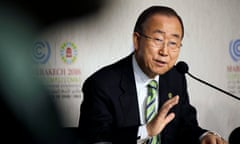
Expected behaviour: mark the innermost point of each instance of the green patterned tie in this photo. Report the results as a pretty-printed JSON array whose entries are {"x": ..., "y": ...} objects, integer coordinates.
[{"x": 151, "y": 110}]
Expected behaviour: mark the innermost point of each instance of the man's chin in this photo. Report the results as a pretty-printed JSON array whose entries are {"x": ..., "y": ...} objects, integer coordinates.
[{"x": 162, "y": 71}]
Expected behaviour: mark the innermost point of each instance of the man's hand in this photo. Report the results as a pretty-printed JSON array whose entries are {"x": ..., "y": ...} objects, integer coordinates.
[
  {"x": 160, "y": 121},
  {"x": 213, "y": 139}
]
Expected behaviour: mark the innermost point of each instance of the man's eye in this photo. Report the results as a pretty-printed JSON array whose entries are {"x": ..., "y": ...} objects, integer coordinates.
[
  {"x": 172, "y": 43},
  {"x": 158, "y": 39}
]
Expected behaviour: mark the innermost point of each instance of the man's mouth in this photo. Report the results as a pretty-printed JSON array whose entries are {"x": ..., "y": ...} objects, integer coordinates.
[{"x": 160, "y": 63}]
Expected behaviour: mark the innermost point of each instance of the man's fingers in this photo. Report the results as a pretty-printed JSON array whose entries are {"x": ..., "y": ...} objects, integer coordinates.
[
  {"x": 220, "y": 140},
  {"x": 168, "y": 105},
  {"x": 169, "y": 118},
  {"x": 213, "y": 139},
  {"x": 163, "y": 118},
  {"x": 171, "y": 102}
]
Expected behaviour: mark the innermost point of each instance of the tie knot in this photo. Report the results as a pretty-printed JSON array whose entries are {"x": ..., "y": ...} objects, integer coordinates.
[{"x": 153, "y": 84}]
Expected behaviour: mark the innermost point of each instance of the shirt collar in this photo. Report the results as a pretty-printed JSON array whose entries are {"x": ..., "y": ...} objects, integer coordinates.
[{"x": 140, "y": 76}]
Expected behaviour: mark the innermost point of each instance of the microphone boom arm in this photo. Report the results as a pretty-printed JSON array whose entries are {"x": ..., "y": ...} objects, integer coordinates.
[{"x": 213, "y": 86}]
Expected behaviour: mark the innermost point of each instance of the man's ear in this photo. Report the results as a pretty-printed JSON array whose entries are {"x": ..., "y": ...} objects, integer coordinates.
[{"x": 136, "y": 38}]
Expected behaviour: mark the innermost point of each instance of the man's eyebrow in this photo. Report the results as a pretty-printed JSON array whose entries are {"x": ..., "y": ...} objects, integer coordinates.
[
  {"x": 159, "y": 31},
  {"x": 162, "y": 32},
  {"x": 176, "y": 36}
]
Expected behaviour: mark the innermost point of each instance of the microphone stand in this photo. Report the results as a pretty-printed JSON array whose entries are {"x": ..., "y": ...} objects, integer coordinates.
[{"x": 213, "y": 86}]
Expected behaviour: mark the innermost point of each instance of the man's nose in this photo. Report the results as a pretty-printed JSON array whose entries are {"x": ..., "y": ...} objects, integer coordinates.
[{"x": 164, "y": 49}]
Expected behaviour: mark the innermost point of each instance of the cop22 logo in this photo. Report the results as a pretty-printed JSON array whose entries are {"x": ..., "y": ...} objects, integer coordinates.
[
  {"x": 68, "y": 52},
  {"x": 41, "y": 52},
  {"x": 234, "y": 50}
]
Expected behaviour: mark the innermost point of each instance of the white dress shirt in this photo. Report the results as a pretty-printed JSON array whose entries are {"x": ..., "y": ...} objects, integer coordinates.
[{"x": 142, "y": 80}]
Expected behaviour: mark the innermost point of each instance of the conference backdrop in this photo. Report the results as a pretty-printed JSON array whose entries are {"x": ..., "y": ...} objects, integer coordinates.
[{"x": 68, "y": 52}]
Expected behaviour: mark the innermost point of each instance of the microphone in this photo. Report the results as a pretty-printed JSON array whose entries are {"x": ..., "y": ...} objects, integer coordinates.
[{"x": 182, "y": 67}]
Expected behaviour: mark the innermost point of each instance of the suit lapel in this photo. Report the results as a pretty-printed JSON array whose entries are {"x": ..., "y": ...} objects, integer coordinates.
[
  {"x": 129, "y": 100},
  {"x": 165, "y": 90}
]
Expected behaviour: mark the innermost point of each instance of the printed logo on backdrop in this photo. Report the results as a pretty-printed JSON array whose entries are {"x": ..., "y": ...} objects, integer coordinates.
[
  {"x": 68, "y": 52},
  {"x": 41, "y": 52},
  {"x": 62, "y": 81},
  {"x": 234, "y": 50},
  {"x": 233, "y": 68}
]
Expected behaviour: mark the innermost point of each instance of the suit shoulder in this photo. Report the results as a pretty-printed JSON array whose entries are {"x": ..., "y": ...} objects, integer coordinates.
[
  {"x": 110, "y": 72},
  {"x": 173, "y": 74}
]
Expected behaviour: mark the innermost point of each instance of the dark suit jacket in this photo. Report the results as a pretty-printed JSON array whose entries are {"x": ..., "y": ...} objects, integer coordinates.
[{"x": 110, "y": 112}]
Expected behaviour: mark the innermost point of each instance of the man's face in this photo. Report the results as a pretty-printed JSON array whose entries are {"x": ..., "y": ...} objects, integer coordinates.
[{"x": 158, "y": 47}]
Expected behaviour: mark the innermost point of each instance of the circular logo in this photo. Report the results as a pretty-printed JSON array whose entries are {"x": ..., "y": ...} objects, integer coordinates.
[
  {"x": 68, "y": 52},
  {"x": 41, "y": 52},
  {"x": 234, "y": 50}
]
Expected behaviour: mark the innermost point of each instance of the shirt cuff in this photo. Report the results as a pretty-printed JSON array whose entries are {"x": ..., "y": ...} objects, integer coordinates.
[
  {"x": 142, "y": 133},
  {"x": 208, "y": 133}
]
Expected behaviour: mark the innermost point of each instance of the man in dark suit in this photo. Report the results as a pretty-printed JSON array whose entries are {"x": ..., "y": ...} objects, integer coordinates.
[{"x": 114, "y": 105}]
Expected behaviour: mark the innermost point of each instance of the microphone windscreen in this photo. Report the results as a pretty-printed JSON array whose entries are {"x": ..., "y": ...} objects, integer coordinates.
[{"x": 182, "y": 67}]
